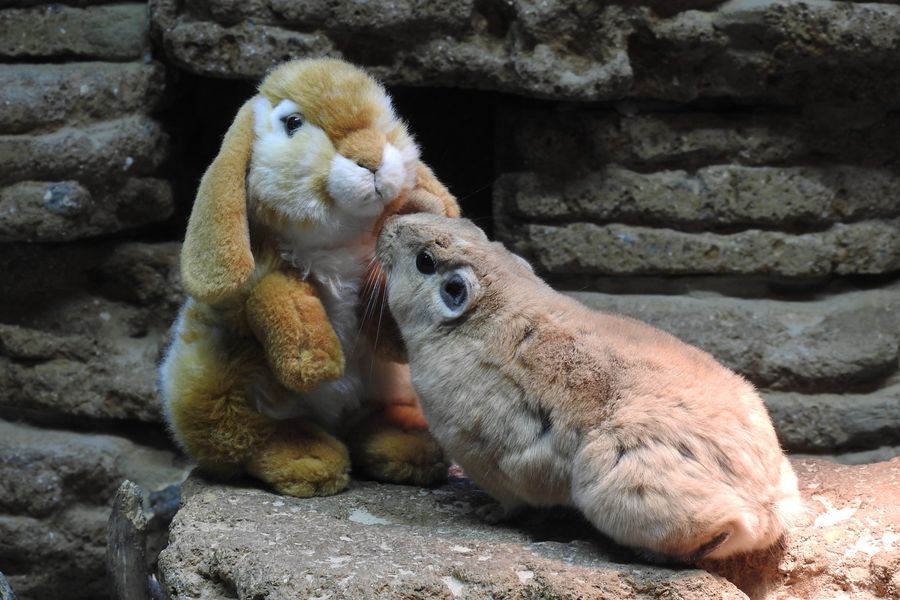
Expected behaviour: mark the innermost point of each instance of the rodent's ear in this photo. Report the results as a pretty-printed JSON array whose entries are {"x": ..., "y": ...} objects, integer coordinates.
[{"x": 216, "y": 258}]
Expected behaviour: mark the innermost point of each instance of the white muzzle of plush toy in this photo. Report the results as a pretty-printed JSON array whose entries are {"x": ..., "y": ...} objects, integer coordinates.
[{"x": 364, "y": 186}]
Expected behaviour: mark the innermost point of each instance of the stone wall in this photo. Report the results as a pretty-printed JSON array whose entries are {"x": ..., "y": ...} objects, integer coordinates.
[
  {"x": 85, "y": 302},
  {"x": 726, "y": 170},
  {"x": 729, "y": 171}
]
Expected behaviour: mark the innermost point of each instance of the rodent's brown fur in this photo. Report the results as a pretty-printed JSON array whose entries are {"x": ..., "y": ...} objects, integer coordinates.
[{"x": 545, "y": 402}]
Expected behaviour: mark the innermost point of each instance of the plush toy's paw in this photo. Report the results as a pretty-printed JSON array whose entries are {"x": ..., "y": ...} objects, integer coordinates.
[
  {"x": 394, "y": 455},
  {"x": 290, "y": 322},
  {"x": 309, "y": 368},
  {"x": 302, "y": 460}
]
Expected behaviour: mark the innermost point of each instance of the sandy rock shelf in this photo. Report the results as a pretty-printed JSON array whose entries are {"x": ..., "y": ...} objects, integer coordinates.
[{"x": 383, "y": 541}]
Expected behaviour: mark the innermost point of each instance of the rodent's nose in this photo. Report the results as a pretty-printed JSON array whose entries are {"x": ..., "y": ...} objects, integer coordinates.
[
  {"x": 385, "y": 238},
  {"x": 365, "y": 147},
  {"x": 389, "y": 229}
]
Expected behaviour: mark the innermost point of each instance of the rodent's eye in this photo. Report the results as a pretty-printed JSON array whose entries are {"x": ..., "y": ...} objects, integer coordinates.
[
  {"x": 425, "y": 263},
  {"x": 292, "y": 123}
]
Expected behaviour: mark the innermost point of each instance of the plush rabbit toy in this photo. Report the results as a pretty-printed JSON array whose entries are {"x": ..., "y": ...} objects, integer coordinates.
[{"x": 268, "y": 367}]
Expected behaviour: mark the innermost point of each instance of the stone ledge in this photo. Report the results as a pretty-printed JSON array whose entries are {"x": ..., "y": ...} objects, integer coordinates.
[
  {"x": 101, "y": 365},
  {"x": 41, "y": 97},
  {"x": 40, "y": 211},
  {"x": 867, "y": 247},
  {"x": 571, "y": 142},
  {"x": 399, "y": 16},
  {"x": 116, "y": 32},
  {"x": 48, "y": 470},
  {"x": 56, "y": 490},
  {"x": 707, "y": 199},
  {"x": 100, "y": 153},
  {"x": 380, "y": 541},
  {"x": 763, "y": 50},
  {"x": 827, "y": 345},
  {"x": 815, "y": 422}
]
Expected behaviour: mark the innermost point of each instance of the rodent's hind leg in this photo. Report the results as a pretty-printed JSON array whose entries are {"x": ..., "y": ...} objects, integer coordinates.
[
  {"x": 388, "y": 452},
  {"x": 652, "y": 495},
  {"x": 301, "y": 459}
]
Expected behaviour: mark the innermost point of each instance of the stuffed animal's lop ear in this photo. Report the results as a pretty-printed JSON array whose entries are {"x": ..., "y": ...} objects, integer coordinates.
[{"x": 216, "y": 259}]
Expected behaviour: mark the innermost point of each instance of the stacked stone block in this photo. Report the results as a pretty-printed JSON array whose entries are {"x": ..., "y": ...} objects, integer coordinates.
[
  {"x": 85, "y": 304},
  {"x": 725, "y": 170}
]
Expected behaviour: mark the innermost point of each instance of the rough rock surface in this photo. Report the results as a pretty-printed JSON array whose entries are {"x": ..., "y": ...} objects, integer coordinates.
[
  {"x": 101, "y": 364},
  {"x": 117, "y": 32},
  {"x": 711, "y": 197},
  {"x": 46, "y": 96},
  {"x": 32, "y": 211},
  {"x": 55, "y": 490},
  {"x": 782, "y": 51},
  {"x": 380, "y": 541},
  {"x": 869, "y": 247},
  {"x": 833, "y": 344},
  {"x": 82, "y": 320},
  {"x": 569, "y": 139}
]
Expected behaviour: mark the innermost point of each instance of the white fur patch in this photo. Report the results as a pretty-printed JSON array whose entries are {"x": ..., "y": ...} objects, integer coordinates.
[
  {"x": 353, "y": 187},
  {"x": 389, "y": 177}
]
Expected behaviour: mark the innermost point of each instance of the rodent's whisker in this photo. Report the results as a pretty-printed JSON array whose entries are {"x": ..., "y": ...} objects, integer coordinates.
[
  {"x": 475, "y": 191},
  {"x": 383, "y": 301}
]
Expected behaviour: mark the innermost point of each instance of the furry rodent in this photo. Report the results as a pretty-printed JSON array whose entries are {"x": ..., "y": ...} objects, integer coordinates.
[{"x": 544, "y": 402}]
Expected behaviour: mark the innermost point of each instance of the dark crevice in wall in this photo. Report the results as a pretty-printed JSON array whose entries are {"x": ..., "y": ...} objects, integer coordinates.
[
  {"x": 151, "y": 435},
  {"x": 746, "y": 287}
]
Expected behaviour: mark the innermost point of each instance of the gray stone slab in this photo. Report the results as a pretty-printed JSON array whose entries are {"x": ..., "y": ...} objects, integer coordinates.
[
  {"x": 102, "y": 153},
  {"x": 40, "y": 211},
  {"x": 102, "y": 364},
  {"x": 846, "y": 422},
  {"x": 56, "y": 488},
  {"x": 400, "y": 16},
  {"x": 381, "y": 541},
  {"x": 782, "y": 198},
  {"x": 565, "y": 49},
  {"x": 867, "y": 247},
  {"x": 835, "y": 344},
  {"x": 46, "y": 96},
  {"x": 114, "y": 32},
  {"x": 567, "y": 143}
]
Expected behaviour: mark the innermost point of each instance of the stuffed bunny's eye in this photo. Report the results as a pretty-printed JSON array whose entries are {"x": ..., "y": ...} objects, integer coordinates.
[
  {"x": 292, "y": 123},
  {"x": 425, "y": 263}
]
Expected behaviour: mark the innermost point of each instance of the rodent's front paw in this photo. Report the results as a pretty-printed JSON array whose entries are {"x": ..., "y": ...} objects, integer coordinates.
[{"x": 494, "y": 513}]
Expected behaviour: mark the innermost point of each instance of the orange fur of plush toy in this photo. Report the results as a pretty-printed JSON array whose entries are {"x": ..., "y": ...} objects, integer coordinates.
[{"x": 264, "y": 373}]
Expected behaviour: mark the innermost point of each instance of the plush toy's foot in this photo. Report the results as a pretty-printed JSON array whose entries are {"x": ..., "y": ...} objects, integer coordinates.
[
  {"x": 302, "y": 460},
  {"x": 386, "y": 452}
]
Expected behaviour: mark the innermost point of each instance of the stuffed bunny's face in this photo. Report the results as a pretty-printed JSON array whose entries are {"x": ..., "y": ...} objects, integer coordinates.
[{"x": 329, "y": 154}]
